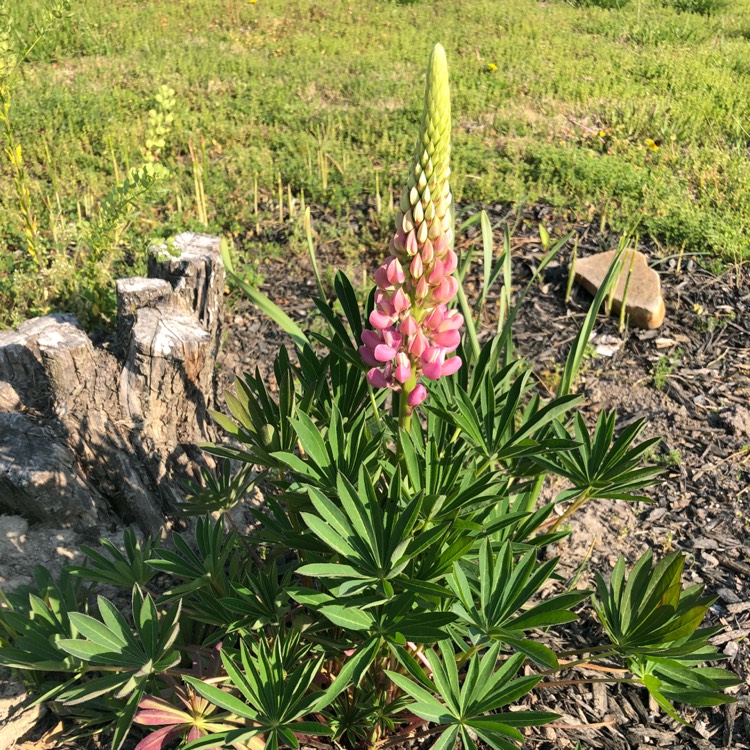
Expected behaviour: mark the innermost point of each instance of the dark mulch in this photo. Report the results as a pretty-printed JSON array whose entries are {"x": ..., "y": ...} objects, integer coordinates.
[{"x": 700, "y": 358}]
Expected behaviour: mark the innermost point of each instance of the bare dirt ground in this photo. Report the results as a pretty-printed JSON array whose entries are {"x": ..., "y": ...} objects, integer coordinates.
[{"x": 690, "y": 380}]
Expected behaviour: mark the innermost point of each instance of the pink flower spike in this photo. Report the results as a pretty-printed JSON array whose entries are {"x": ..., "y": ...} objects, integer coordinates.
[
  {"x": 376, "y": 378},
  {"x": 379, "y": 320},
  {"x": 417, "y": 396},
  {"x": 394, "y": 271},
  {"x": 384, "y": 353},
  {"x": 400, "y": 301},
  {"x": 403, "y": 368},
  {"x": 416, "y": 269},
  {"x": 408, "y": 325},
  {"x": 450, "y": 366}
]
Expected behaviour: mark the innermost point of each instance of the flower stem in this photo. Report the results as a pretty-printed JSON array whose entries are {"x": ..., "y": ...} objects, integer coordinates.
[
  {"x": 373, "y": 403},
  {"x": 577, "y": 662},
  {"x": 404, "y": 410}
]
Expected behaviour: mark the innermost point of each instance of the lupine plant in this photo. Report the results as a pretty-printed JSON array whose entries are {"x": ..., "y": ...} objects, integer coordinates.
[{"x": 400, "y": 580}]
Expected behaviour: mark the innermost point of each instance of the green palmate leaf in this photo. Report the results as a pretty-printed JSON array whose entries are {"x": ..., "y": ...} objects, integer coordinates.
[
  {"x": 125, "y": 720},
  {"x": 330, "y": 570},
  {"x": 537, "y": 652},
  {"x": 327, "y": 535},
  {"x": 88, "y": 651},
  {"x": 487, "y": 256},
  {"x": 444, "y": 699},
  {"x": 655, "y": 624},
  {"x": 310, "y": 438},
  {"x": 426, "y": 706},
  {"x": 447, "y": 739},
  {"x": 350, "y": 674},
  {"x": 348, "y": 299},
  {"x": 114, "y": 567},
  {"x": 98, "y": 633},
  {"x": 93, "y": 689}
]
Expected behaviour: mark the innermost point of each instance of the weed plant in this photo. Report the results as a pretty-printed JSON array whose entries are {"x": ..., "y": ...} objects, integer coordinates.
[{"x": 74, "y": 264}]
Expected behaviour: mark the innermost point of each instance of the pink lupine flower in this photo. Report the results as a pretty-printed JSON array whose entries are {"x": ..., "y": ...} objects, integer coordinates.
[{"x": 414, "y": 333}]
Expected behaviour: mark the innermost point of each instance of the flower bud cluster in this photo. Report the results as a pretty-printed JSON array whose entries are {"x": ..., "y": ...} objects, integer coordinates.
[{"x": 414, "y": 334}]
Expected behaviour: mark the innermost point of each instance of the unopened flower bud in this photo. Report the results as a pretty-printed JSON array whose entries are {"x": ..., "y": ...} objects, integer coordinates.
[
  {"x": 411, "y": 243},
  {"x": 395, "y": 272},
  {"x": 416, "y": 269},
  {"x": 417, "y": 396}
]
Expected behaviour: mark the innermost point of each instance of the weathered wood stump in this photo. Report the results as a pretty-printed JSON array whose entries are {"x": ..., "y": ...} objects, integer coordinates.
[{"x": 87, "y": 434}]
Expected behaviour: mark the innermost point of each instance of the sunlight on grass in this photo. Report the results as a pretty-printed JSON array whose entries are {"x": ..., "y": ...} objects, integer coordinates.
[{"x": 635, "y": 112}]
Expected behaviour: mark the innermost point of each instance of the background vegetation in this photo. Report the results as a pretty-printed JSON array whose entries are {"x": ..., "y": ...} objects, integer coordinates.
[{"x": 623, "y": 111}]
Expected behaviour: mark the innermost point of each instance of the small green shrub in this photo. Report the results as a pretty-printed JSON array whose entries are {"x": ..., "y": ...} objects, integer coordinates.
[{"x": 664, "y": 368}]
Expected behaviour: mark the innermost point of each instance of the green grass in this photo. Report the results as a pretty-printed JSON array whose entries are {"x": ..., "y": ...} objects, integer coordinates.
[{"x": 635, "y": 114}]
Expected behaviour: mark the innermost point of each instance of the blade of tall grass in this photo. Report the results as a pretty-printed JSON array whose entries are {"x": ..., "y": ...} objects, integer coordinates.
[
  {"x": 272, "y": 310},
  {"x": 575, "y": 356}
]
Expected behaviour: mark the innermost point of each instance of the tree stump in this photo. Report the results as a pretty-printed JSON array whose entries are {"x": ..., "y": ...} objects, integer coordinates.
[{"x": 87, "y": 434}]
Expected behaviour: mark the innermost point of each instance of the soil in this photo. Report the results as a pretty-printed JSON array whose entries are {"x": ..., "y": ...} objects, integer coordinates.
[{"x": 690, "y": 381}]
